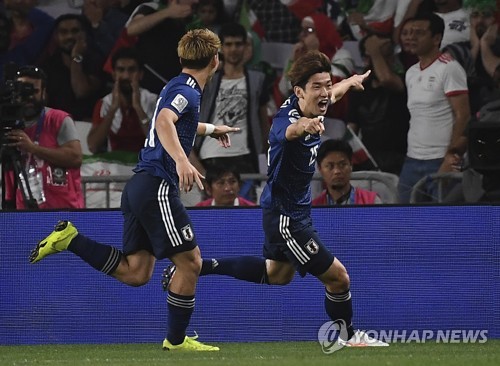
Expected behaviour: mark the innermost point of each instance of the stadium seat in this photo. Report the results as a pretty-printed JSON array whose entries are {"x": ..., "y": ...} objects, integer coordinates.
[
  {"x": 83, "y": 128},
  {"x": 385, "y": 184}
]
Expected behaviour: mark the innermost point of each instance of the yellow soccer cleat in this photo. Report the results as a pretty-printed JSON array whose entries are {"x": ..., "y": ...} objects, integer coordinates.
[
  {"x": 56, "y": 242},
  {"x": 190, "y": 344}
]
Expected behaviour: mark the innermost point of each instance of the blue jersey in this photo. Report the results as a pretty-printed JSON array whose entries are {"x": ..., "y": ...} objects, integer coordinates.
[
  {"x": 181, "y": 95},
  {"x": 291, "y": 165}
]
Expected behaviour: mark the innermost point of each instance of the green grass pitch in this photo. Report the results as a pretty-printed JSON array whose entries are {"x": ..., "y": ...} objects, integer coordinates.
[{"x": 253, "y": 354}]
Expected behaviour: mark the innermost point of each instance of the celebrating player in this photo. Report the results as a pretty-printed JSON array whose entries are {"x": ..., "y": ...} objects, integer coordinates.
[
  {"x": 291, "y": 242},
  {"x": 156, "y": 223}
]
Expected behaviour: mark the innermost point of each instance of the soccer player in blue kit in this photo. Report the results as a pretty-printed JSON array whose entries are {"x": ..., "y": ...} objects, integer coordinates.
[
  {"x": 156, "y": 224},
  {"x": 291, "y": 242}
]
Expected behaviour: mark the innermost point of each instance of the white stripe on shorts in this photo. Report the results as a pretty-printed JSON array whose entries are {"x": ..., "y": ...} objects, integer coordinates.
[
  {"x": 292, "y": 244},
  {"x": 166, "y": 214}
]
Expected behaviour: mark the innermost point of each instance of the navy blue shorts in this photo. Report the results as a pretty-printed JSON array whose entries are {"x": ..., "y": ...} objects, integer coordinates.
[
  {"x": 155, "y": 218},
  {"x": 297, "y": 242}
]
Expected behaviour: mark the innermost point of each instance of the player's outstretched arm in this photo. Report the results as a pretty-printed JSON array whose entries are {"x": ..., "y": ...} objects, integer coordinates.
[
  {"x": 305, "y": 126},
  {"x": 354, "y": 82},
  {"x": 220, "y": 133}
]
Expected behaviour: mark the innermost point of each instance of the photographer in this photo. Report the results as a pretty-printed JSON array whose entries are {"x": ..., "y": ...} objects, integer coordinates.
[
  {"x": 49, "y": 146},
  {"x": 123, "y": 115}
]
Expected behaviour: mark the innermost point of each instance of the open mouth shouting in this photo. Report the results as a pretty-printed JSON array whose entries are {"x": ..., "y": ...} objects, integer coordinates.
[{"x": 323, "y": 105}]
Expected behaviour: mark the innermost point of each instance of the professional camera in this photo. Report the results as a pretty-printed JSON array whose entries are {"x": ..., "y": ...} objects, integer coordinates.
[
  {"x": 16, "y": 99},
  {"x": 13, "y": 96}
]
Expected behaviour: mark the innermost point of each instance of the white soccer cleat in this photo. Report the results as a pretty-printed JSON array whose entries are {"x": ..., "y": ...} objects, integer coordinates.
[{"x": 361, "y": 339}]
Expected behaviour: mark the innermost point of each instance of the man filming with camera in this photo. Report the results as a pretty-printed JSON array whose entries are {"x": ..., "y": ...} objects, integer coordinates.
[{"x": 49, "y": 148}]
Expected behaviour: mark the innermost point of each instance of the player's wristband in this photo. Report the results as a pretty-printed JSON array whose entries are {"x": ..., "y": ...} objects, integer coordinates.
[{"x": 209, "y": 129}]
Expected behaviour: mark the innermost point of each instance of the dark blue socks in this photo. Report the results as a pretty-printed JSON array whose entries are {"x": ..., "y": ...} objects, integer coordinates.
[
  {"x": 247, "y": 268},
  {"x": 102, "y": 257},
  {"x": 180, "y": 308}
]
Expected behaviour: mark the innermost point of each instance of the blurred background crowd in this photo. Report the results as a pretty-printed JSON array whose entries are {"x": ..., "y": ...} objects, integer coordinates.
[{"x": 427, "y": 126}]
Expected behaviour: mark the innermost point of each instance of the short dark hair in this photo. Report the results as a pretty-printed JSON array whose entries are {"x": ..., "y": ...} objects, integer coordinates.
[
  {"x": 84, "y": 22},
  {"x": 436, "y": 23},
  {"x": 33, "y": 72},
  {"x": 232, "y": 29},
  {"x": 329, "y": 146},
  {"x": 218, "y": 171},
  {"x": 126, "y": 53},
  {"x": 312, "y": 62}
]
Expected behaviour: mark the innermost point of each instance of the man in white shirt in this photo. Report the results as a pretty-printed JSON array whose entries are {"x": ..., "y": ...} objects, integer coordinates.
[{"x": 438, "y": 104}]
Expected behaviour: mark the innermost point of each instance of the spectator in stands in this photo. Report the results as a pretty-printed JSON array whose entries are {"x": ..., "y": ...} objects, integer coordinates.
[
  {"x": 407, "y": 9},
  {"x": 335, "y": 165},
  {"x": 317, "y": 32},
  {"x": 30, "y": 31},
  {"x": 123, "y": 115},
  {"x": 371, "y": 17},
  {"x": 236, "y": 96},
  {"x": 471, "y": 54},
  {"x": 491, "y": 60},
  {"x": 438, "y": 104},
  {"x": 222, "y": 184},
  {"x": 106, "y": 21},
  {"x": 50, "y": 147},
  {"x": 406, "y": 57},
  {"x": 456, "y": 21},
  {"x": 379, "y": 113},
  {"x": 455, "y": 17},
  {"x": 273, "y": 21},
  {"x": 209, "y": 14},
  {"x": 159, "y": 27},
  {"x": 74, "y": 69}
]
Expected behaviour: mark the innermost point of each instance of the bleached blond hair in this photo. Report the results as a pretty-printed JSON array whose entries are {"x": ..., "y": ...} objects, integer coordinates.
[{"x": 197, "y": 48}]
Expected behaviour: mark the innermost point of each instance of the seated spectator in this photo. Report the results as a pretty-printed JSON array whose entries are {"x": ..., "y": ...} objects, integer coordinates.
[
  {"x": 51, "y": 149},
  {"x": 223, "y": 185},
  {"x": 29, "y": 32},
  {"x": 123, "y": 116},
  {"x": 74, "y": 69},
  {"x": 335, "y": 165}
]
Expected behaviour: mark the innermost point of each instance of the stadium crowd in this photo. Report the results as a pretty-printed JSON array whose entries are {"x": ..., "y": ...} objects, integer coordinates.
[{"x": 102, "y": 63}]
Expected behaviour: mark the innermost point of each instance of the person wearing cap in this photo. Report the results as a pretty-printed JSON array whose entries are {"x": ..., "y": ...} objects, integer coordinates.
[{"x": 49, "y": 145}]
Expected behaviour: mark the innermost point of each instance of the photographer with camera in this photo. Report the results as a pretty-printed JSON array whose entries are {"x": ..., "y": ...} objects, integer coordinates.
[{"x": 49, "y": 149}]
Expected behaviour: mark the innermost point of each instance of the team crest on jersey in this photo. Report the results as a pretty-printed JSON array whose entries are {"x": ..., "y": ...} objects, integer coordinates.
[
  {"x": 312, "y": 247},
  {"x": 179, "y": 103},
  {"x": 187, "y": 233}
]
